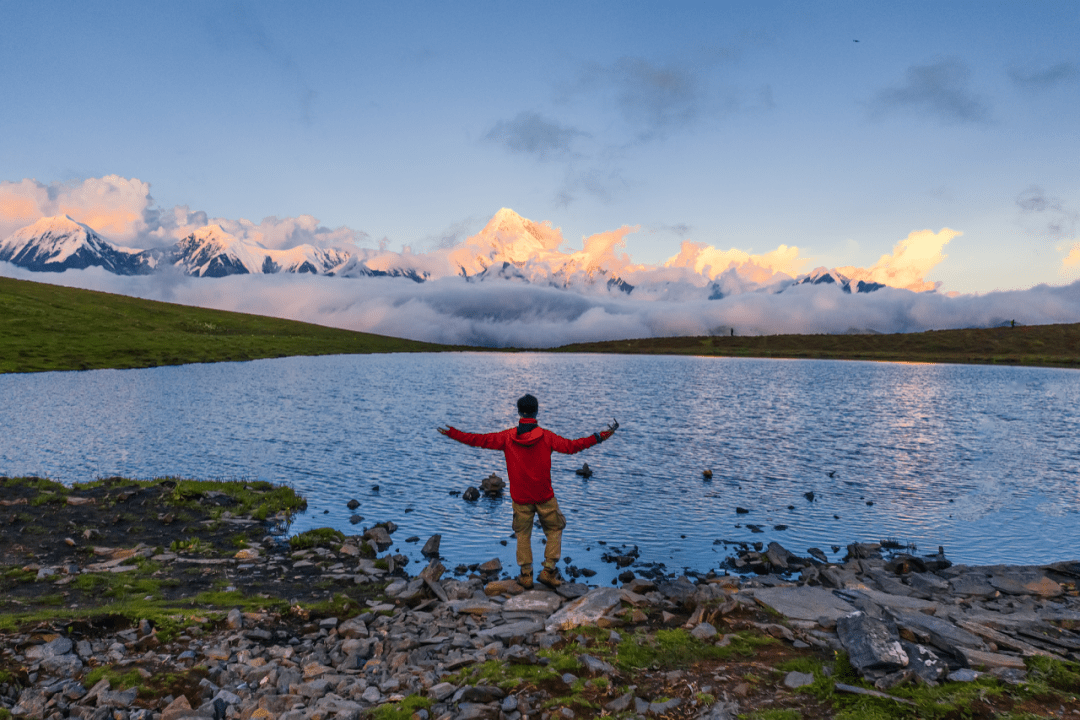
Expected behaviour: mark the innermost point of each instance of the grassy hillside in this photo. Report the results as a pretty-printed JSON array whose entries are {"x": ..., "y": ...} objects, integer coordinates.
[
  {"x": 1051, "y": 345},
  {"x": 47, "y": 327}
]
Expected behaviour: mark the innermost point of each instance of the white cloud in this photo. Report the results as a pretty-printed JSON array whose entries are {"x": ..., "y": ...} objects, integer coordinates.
[
  {"x": 123, "y": 211},
  {"x": 453, "y": 310},
  {"x": 911, "y": 260}
]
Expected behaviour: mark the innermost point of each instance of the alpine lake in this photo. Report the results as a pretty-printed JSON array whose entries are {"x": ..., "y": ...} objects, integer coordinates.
[{"x": 980, "y": 460}]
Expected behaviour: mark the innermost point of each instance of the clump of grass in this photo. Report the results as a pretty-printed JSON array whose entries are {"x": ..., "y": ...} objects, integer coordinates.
[
  {"x": 318, "y": 537},
  {"x": 117, "y": 680},
  {"x": 773, "y": 715},
  {"x": 401, "y": 710},
  {"x": 678, "y": 648}
]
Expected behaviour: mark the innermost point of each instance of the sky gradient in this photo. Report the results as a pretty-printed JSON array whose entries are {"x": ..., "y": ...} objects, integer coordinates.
[{"x": 836, "y": 128}]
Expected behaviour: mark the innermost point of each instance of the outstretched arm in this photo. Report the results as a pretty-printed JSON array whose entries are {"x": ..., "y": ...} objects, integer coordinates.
[{"x": 489, "y": 441}]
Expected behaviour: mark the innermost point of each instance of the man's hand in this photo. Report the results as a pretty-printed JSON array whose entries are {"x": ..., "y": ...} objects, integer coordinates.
[
  {"x": 443, "y": 430},
  {"x": 611, "y": 428}
]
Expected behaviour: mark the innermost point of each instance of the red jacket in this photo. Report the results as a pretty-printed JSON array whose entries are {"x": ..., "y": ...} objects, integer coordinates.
[{"x": 528, "y": 458}]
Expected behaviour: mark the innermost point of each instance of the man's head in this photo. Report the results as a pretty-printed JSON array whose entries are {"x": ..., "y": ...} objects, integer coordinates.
[{"x": 528, "y": 406}]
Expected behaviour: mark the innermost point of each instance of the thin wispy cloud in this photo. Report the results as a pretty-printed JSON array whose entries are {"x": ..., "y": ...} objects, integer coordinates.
[
  {"x": 236, "y": 27},
  {"x": 652, "y": 99},
  {"x": 1062, "y": 73},
  {"x": 1049, "y": 216},
  {"x": 941, "y": 90},
  {"x": 530, "y": 133}
]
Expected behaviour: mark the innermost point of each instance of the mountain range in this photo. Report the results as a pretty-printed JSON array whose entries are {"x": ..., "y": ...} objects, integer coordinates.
[{"x": 509, "y": 248}]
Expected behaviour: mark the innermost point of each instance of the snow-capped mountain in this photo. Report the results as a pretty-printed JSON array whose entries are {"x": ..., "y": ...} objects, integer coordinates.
[
  {"x": 824, "y": 276},
  {"x": 514, "y": 248},
  {"x": 212, "y": 252},
  {"x": 55, "y": 244}
]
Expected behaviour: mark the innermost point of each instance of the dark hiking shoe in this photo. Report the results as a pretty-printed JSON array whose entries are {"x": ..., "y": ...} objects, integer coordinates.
[
  {"x": 550, "y": 577},
  {"x": 525, "y": 581}
]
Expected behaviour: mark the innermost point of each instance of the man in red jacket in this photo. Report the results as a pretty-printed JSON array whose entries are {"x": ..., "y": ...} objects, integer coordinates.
[{"x": 528, "y": 449}]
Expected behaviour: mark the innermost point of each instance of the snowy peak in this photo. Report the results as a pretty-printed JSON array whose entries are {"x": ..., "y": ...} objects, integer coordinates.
[
  {"x": 824, "y": 276},
  {"x": 55, "y": 244},
  {"x": 210, "y": 251}
]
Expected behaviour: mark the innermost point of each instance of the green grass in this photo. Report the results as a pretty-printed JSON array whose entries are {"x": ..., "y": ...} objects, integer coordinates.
[
  {"x": 1051, "y": 345},
  {"x": 678, "y": 648},
  {"x": 319, "y": 537},
  {"x": 401, "y": 710},
  {"x": 47, "y": 327}
]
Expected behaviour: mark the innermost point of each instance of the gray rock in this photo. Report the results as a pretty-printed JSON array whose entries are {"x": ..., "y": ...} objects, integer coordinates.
[
  {"x": 471, "y": 494},
  {"x": 779, "y": 557},
  {"x": 31, "y": 703},
  {"x": 493, "y": 565},
  {"x": 620, "y": 703},
  {"x": 534, "y": 601},
  {"x": 480, "y": 694},
  {"x": 964, "y": 675},
  {"x": 572, "y": 590},
  {"x": 795, "y": 679},
  {"x": 596, "y": 665},
  {"x": 59, "y": 646},
  {"x": 371, "y": 695},
  {"x": 521, "y": 628},
  {"x": 641, "y": 705},
  {"x": 62, "y": 665},
  {"x": 971, "y": 584},
  {"x": 476, "y": 711},
  {"x": 234, "y": 620},
  {"x": 353, "y": 628},
  {"x": 803, "y": 602},
  {"x": 379, "y": 536},
  {"x": 938, "y": 632},
  {"x": 585, "y": 610},
  {"x": 927, "y": 583},
  {"x": 441, "y": 691},
  {"x": 509, "y": 704},
  {"x": 678, "y": 591},
  {"x": 664, "y": 707},
  {"x": 924, "y": 662},
  {"x": 117, "y": 698},
  {"x": 871, "y": 644},
  {"x": 431, "y": 547},
  {"x": 704, "y": 631}
]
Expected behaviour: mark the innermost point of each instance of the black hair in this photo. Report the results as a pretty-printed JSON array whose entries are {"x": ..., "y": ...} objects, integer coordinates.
[{"x": 528, "y": 406}]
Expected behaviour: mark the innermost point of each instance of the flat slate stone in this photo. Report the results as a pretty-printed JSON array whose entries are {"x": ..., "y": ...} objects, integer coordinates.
[
  {"x": 803, "y": 603},
  {"x": 898, "y": 602},
  {"x": 971, "y": 584},
  {"x": 473, "y": 606},
  {"x": 585, "y": 610},
  {"x": 938, "y": 632},
  {"x": 511, "y": 630},
  {"x": 534, "y": 601},
  {"x": 978, "y": 659},
  {"x": 871, "y": 643}
]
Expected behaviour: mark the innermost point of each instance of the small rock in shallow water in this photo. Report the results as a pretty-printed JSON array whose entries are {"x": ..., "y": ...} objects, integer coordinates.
[
  {"x": 356, "y": 519},
  {"x": 471, "y": 494},
  {"x": 353, "y": 504}
]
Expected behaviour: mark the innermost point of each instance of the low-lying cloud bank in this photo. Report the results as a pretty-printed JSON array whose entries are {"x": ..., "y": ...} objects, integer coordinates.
[{"x": 510, "y": 314}]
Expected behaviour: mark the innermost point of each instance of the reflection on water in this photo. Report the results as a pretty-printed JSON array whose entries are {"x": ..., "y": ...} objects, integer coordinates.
[{"x": 981, "y": 460}]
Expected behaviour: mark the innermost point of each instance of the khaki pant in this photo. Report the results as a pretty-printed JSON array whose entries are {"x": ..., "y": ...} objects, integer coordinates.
[{"x": 552, "y": 522}]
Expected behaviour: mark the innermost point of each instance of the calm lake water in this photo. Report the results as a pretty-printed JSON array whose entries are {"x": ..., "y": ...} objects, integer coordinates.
[{"x": 984, "y": 461}]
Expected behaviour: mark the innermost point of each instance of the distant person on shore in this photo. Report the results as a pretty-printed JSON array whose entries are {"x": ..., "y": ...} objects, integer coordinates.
[{"x": 528, "y": 449}]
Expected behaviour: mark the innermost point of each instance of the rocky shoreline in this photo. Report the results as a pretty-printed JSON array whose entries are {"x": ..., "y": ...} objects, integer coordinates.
[{"x": 882, "y": 630}]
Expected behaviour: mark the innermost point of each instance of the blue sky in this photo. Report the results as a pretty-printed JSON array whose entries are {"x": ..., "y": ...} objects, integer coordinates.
[{"x": 737, "y": 125}]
